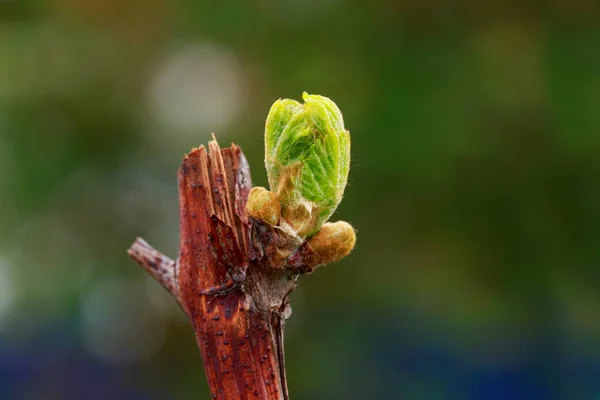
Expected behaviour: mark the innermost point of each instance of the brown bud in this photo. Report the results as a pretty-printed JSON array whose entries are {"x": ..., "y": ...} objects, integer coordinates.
[
  {"x": 333, "y": 242},
  {"x": 263, "y": 204}
]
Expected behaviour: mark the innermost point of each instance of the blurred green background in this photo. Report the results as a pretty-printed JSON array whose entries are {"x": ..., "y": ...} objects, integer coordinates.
[{"x": 475, "y": 189}]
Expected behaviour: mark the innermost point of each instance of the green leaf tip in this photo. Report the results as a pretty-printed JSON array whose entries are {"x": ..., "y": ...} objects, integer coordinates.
[{"x": 307, "y": 155}]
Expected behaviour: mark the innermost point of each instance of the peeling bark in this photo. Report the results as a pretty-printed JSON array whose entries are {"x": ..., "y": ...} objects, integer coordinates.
[{"x": 228, "y": 278}]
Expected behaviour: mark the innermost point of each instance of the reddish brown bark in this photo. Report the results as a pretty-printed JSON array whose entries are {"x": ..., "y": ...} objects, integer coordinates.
[{"x": 226, "y": 279}]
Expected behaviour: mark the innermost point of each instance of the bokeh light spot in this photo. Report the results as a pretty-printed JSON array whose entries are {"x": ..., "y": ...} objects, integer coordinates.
[
  {"x": 197, "y": 89},
  {"x": 7, "y": 290},
  {"x": 118, "y": 327}
]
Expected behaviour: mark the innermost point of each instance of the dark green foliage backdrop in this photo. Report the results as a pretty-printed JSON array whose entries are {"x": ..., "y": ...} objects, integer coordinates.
[{"x": 475, "y": 189}]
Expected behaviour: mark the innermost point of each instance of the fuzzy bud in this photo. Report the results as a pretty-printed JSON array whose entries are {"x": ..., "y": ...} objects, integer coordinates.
[
  {"x": 307, "y": 155},
  {"x": 263, "y": 204},
  {"x": 334, "y": 241}
]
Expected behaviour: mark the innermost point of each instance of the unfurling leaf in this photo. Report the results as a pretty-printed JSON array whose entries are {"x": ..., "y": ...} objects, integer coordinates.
[{"x": 307, "y": 155}]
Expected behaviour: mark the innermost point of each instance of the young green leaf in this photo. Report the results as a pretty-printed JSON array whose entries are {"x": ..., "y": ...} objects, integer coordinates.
[{"x": 307, "y": 155}]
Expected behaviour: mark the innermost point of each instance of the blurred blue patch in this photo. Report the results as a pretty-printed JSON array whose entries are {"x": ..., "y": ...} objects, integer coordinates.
[{"x": 52, "y": 365}]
